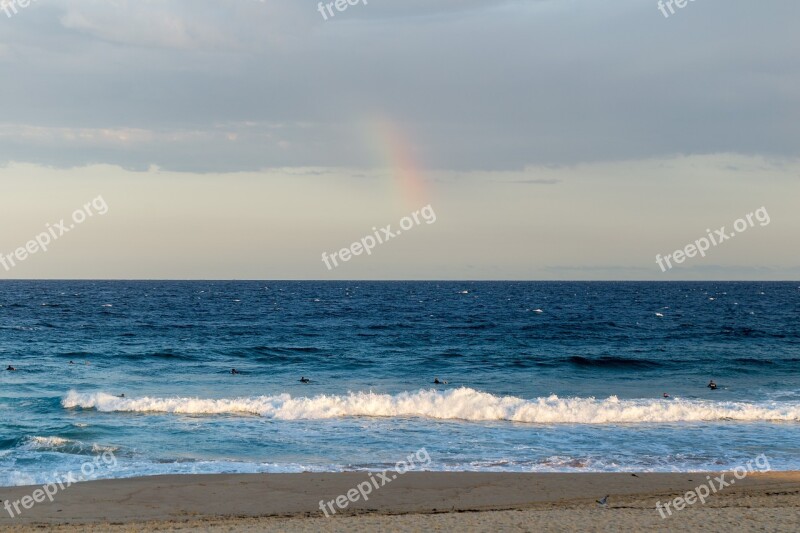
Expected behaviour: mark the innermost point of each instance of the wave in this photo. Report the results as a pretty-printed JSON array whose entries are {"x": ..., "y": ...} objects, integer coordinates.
[
  {"x": 457, "y": 404},
  {"x": 612, "y": 362},
  {"x": 63, "y": 445}
]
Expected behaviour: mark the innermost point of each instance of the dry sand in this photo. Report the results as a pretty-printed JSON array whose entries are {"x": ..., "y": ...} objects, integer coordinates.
[{"x": 414, "y": 502}]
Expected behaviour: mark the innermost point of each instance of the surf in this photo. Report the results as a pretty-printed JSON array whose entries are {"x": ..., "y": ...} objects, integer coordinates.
[{"x": 464, "y": 404}]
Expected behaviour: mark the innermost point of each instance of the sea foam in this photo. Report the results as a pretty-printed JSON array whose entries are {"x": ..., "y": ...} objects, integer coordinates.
[{"x": 456, "y": 404}]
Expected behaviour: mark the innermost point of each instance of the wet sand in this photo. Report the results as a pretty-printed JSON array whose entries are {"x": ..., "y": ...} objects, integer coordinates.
[{"x": 416, "y": 501}]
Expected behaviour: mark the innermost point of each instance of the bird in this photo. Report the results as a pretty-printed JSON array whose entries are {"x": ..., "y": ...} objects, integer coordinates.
[{"x": 604, "y": 501}]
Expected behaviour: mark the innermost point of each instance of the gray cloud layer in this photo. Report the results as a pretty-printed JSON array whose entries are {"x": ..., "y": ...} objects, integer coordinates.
[{"x": 227, "y": 85}]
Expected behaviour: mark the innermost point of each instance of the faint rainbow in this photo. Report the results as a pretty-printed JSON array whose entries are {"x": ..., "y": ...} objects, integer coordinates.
[{"x": 395, "y": 152}]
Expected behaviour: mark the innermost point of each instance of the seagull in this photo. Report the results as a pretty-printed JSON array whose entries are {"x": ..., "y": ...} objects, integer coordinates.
[{"x": 604, "y": 501}]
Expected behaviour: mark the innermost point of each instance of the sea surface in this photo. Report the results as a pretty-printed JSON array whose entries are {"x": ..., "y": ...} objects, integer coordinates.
[{"x": 542, "y": 376}]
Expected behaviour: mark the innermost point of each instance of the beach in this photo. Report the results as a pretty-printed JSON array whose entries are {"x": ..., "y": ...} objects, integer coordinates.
[
  {"x": 464, "y": 406},
  {"x": 367, "y": 266},
  {"x": 416, "y": 501}
]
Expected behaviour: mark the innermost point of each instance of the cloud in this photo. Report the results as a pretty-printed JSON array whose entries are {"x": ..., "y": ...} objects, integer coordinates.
[
  {"x": 536, "y": 181},
  {"x": 475, "y": 85},
  {"x": 141, "y": 23}
]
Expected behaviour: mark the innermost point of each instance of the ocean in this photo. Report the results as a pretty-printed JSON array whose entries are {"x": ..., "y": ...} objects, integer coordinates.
[{"x": 541, "y": 376}]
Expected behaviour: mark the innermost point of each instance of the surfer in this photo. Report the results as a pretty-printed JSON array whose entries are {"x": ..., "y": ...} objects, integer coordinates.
[
  {"x": 121, "y": 396},
  {"x": 437, "y": 382},
  {"x": 711, "y": 385},
  {"x": 305, "y": 380},
  {"x": 11, "y": 369},
  {"x": 666, "y": 395},
  {"x": 234, "y": 371}
]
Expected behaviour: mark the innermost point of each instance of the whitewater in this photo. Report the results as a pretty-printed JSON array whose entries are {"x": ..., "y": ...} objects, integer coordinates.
[{"x": 462, "y": 403}]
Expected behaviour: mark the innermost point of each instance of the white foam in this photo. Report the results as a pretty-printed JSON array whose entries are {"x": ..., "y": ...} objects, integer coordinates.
[
  {"x": 62, "y": 444},
  {"x": 456, "y": 404},
  {"x": 49, "y": 442}
]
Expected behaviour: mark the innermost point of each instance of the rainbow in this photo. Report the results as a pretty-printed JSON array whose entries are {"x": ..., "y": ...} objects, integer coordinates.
[{"x": 396, "y": 153}]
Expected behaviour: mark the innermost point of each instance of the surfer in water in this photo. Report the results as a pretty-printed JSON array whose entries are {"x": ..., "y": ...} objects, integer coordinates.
[
  {"x": 711, "y": 385},
  {"x": 234, "y": 371},
  {"x": 11, "y": 369},
  {"x": 437, "y": 382},
  {"x": 666, "y": 395},
  {"x": 305, "y": 380}
]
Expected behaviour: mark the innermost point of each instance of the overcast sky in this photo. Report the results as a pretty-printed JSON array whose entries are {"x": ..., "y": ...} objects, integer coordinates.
[{"x": 555, "y": 139}]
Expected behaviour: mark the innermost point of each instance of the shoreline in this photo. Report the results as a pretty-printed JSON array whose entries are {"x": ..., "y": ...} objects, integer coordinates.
[{"x": 238, "y": 502}]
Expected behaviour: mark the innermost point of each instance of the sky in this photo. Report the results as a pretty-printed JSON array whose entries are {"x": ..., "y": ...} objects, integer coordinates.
[{"x": 244, "y": 139}]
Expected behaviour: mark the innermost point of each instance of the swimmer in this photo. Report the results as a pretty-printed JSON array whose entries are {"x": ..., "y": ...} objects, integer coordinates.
[
  {"x": 666, "y": 395},
  {"x": 711, "y": 385}
]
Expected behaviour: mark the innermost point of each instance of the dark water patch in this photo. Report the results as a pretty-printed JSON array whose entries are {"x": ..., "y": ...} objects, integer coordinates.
[
  {"x": 301, "y": 349},
  {"x": 274, "y": 354},
  {"x": 613, "y": 362},
  {"x": 749, "y": 361},
  {"x": 382, "y": 327},
  {"x": 475, "y": 327},
  {"x": 157, "y": 354},
  {"x": 746, "y": 332}
]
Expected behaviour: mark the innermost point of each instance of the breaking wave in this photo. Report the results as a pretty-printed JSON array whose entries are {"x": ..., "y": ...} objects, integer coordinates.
[{"x": 457, "y": 404}]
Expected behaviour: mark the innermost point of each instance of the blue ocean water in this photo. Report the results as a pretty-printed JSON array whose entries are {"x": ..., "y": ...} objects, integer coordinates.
[{"x": 542, "y": 376}]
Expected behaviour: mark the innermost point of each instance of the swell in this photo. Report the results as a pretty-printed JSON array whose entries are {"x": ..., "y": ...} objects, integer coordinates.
[{"x": 612, "y": 362}]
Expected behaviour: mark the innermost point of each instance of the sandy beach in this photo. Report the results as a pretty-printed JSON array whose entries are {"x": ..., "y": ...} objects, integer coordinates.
[{"x": 414, "y": 502}]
